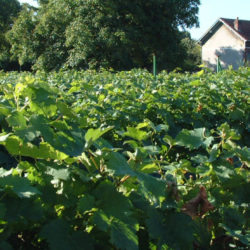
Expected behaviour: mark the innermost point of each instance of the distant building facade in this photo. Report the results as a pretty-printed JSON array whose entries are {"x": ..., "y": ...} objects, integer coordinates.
[{"x": 229, "y": 40}]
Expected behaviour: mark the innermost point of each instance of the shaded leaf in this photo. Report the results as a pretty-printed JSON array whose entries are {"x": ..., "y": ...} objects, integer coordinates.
[
  {"x": 193, "y": 139},
  {"x": 20, "y": 186}
]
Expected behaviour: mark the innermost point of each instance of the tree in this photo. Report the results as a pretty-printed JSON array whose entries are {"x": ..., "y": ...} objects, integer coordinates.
[
  {"x": 38, "y": 35},
  {"x": 121, "y": 34},
  {"x": 21, "y": 37},
  {"x": 192, "y": 50},
  {"x": 9, "y": 9},
  {"x": 124, "y": 34}
]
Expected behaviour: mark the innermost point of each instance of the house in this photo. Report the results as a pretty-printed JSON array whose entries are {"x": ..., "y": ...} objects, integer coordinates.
[{"x": 229, "y": 40}]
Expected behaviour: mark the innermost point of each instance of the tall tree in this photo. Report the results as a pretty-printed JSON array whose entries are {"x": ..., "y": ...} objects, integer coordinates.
[
  {"x": 192, "y": 49},
  {"x": 124, "y": 34},
  {"x": 8, "y": 11},
  {"x": 121, "y": 34}
]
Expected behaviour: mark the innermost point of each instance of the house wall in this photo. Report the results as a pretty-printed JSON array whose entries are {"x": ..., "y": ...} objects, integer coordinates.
[{"x": 227, "y": 45}]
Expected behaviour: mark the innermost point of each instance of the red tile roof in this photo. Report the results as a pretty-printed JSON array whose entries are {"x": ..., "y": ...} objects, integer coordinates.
[{"x": 244, "y": 27}]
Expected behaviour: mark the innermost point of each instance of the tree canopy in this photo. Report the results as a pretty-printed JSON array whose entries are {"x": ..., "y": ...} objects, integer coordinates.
[
  {"x": 8, "y": 11},
  {"x": 118, "y": 34}
]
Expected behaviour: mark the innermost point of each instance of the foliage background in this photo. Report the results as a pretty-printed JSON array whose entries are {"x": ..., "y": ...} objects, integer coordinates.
[
  {"x": 124, "y": 160},
  {"x": 104, "y": 34}
]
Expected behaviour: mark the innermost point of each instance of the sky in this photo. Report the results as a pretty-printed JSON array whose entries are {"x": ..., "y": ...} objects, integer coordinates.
[{"x": 209, "y": 12}]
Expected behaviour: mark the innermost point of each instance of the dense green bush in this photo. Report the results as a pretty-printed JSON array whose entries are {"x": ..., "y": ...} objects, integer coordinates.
[
  {"x": 107, "y": 34},
  {"x": 124, "y": 160}
]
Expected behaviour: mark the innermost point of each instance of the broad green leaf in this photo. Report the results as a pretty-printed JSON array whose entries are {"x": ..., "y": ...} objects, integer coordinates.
[
  {"x": 169, "y": 140},
  {"x": 85, "y": 203},
  {"x": 65, "y": 110},
  {"x": 149, "y": 168},
  {"x": 21, "y": 211},
  {"x": 28, "y": 134},
  {"x": 152, "y": 188},
  {"x": 16, "y": 146},
  {"x": 118, "y": 165},
  {"x": 200, "y": 158},
  {"x": 112, "y": 202},
  {"x": 172, "y": 228},
  {"x": 195, "y": 83},
  {"x": 16, "y": 119},
  {"x": 244, "y": 238},
  {"x": 59, "y": 174},
  {"x": 142, "y": 125},
  {"x": 20, "y": 186},
  {"x": 224, "y": 172},
  {"x": 60, "y": 125},
  {"x": 101, "y": 220},
  {"x": 193, "y": 139},
  {"x": 162, "y": 127},
  {"x": 244, "y": 154},
  {"x": 123, "y": 236},
  {"x": 136, "y": 134},
  {"x": 59, "y": 235},
  {"x": 214, "y": 153},
  {"x": 151, "y": 150},
  {"x": 93, "y": 134},
  {"x": 228, "y": 133}
]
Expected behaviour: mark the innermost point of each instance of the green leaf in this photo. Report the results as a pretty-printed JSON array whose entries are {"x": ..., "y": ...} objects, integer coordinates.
[
  {"x": 174, "y": 229},
  {"x": 136, "y": 134},
  {"x": 21, "y": 211},
  {"x": 28, "y": 134},
  {"x": 244, "y": 154},
  {"x": 93, "y": 134},
  {"x": 152, "y": 188},
  {"x": 16, "y": 146},
  {"x": 118, "y": 165},
  {"x": 244, "y": 238},
  {"x": 123, "y": 236},
  {"x": 151, "y": 150},
  {"x": 20, "y": 186},
  {"x": 193, "y": 139},
  {"x": 16, "y": 119},
  {"x": 214, "y": 153},
  {"x": 101, "y": 220},
  {"x": 169, "y": 140},
  {"x": 59, "y": 236},
  {"x": 65, "y": 110},
  {"x": 112, "y": 202},
  {"x": 60, "y": 125},
  {"x": 38, "y": 126},
  {"x": 162, "y": 127},
  {"x": 85, "y": 203},
  {"x": 149, "y": 168},
  {"x": 226, "y": 132},
  {"x": 59, "y": 174},
  {"x": 224, "y": 172}
]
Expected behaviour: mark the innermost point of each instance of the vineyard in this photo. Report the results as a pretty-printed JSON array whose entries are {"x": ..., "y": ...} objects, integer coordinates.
[{"x": 124, "y": 160}]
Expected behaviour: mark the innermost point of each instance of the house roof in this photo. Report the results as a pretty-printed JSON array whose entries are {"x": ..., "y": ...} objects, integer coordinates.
[{"x": 243, "y": 32}]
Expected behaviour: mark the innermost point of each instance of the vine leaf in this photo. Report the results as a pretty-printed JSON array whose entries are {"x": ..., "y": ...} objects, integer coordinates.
[
  {"x": 193, "y": 139},
  {"x": 93, "y": 134},
  {"x": 199, "y": 205}
]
